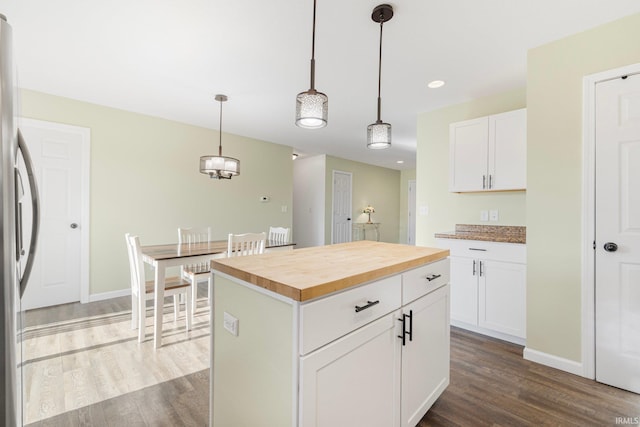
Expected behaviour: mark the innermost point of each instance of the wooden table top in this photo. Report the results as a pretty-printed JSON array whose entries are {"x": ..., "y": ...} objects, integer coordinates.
[
  {"x": 309, "y": 273},
  {"x": 176, "y": 250}
]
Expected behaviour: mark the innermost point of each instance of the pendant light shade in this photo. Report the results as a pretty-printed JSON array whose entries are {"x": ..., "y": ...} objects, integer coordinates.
[
  {"x": 220, "y": 167},
  {"x": 312, "y": 107},
  {"x": 379, "y": 133}
]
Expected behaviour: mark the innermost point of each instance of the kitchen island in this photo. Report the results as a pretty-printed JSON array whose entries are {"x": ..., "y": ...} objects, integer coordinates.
[{"x": 341, "y": 335}]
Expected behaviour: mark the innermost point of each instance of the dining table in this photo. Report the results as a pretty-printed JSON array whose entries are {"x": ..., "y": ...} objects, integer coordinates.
[{"x": 161, "y": 257}]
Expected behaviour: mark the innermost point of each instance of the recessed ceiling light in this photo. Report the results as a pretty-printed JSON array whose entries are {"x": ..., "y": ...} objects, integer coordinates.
[
  {"x": 400, "y": 162},
  {"x": 436, "y": 84}
]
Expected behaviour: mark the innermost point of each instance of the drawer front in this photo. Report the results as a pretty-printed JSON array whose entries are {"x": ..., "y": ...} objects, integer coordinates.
[
  {"x": 327, "y": 319},
  {"x": 422, "y": 280},
  {"x": 496, "y": 251}
]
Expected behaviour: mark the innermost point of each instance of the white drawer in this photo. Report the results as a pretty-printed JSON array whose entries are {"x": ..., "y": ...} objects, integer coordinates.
[
  {"x": 329, "y": 318},
  {"x": 422, "y": 280},
  {"x": 497, "y": 251}
]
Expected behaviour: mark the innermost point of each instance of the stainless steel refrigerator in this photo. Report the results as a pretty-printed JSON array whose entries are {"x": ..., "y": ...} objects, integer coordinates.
[{"x": 18, "y": 231}]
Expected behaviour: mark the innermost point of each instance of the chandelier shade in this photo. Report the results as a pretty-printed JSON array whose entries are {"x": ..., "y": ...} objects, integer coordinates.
[
  {"x": 312, "y": 107},
  {"x": 220, "y": 167},
  {"x": 379, "y": 133}
]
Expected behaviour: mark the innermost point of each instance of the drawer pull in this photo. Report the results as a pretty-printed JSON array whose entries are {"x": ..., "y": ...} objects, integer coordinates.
[
  {"x": 433, "y": 277},
  {"x": 364, "y": 307},
  {"x": 477, "y": 249}
]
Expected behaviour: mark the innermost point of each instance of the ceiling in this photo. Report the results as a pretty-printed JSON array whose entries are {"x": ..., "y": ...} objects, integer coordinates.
[{"x": 168, "y": 58}]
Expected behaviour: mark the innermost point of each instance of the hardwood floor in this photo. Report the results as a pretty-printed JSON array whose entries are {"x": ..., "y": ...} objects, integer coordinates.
[
  {"x": 85, "y": 367},
  {"x": 492, "y": 385}
]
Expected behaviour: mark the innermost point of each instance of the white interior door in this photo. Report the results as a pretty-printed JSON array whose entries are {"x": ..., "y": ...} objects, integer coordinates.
[
  {"x": 617, "y": 271},
  {"x": 60, "y": 155},
  {"x": 411, "y": 214},
  {"x": 341, "y": 229}
]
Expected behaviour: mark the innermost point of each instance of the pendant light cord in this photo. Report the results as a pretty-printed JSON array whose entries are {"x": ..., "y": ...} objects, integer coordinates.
[
  {"x": 380, "y": 67},
  {"x": 313, "y": 49},
  {"x": 220, "y": 144}
]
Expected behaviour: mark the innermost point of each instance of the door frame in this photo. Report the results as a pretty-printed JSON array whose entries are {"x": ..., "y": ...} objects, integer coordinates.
[
  {"x": 85, "y": 187},
  {"x": 411, "y": 212},
  {"x": 588, "y": 211},
  {"x": 333, "y": 200}
]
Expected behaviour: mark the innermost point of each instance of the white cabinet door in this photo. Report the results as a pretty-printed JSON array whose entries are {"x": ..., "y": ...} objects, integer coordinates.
[
  {"x": 489, "y": 153},
  {"x": 507, "y": 167},
  {"x": 468, "y": 155},
  {"x": 355, "y": 380},
  {"x": 425, "y": 358},
  {"x": 464, "y": 289},
  {"x": 502, "y": 297}
]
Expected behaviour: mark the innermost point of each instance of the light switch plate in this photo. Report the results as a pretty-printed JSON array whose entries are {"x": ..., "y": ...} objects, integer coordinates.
[
  {"x": 484, "y": 216},
  {"x": 493, "y": 215}
]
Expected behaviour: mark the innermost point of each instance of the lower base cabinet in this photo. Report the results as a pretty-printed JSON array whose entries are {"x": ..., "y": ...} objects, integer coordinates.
[
  {"x": 383, "y": 364},
  {"x": 372, "y": 377},
  {"x": 488, "y": 287}
]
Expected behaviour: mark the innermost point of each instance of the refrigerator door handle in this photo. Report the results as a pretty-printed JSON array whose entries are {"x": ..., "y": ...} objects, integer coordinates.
[{"x": 35, "y": 200}]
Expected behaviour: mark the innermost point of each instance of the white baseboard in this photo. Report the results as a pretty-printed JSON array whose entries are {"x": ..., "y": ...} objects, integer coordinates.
[
  {"x": 552, "y": 361},
  {"x": 108, "y": 295}
]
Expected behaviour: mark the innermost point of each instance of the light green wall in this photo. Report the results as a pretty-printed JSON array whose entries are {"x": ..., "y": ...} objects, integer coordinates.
[
  {"x": 554, "y": 169},
  {"x": 373, "y": 185},
  {"x": 145, "y": 180},
  {"x": 446, "y": 209},
  {"x": 405, "y": 177}
]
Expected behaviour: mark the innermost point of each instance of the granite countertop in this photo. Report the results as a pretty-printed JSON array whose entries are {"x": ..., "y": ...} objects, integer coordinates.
[
  {"x": 489, "y": 233},
  {"x": 307, "y": 273}
]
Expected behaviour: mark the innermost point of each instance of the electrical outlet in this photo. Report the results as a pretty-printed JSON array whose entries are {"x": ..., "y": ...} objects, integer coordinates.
[
  {"x": 484, "y": 216},
  {"x": 230, "y": 323},
  {"x": 493, "y": 215},
  {"x": 283, "y": 208}
]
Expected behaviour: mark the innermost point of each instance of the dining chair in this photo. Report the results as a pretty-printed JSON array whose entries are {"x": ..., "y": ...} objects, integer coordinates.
[
  {"x": 142, "y": 290},
  {"x": 200, "y": 272},
  {"x": 246, "y": 244},
  {"x": 278, "y": 234}
]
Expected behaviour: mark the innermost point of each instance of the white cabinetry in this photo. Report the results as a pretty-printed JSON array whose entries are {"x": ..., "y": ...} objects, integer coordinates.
[
  {"x": 388, "y": 372},
  {"x": 489, "y": 153},
  {"x": 488, "y": 287}
]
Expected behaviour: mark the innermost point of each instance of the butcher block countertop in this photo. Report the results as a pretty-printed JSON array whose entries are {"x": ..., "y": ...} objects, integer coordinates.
[{"x": 308, "y": 273}]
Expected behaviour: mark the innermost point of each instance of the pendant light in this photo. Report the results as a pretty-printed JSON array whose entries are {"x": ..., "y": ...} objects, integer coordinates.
[
  {"x": 312, "y": 106},
  {"x": 220, "y": 167},
  {"x": 379, "y": 133}
]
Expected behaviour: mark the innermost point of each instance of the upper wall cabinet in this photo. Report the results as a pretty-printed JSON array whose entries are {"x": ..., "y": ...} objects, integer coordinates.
[{"x": 489, "y": 153}]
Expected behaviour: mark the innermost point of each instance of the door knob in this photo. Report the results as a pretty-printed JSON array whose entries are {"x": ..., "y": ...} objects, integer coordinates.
[
  {"x": 73, "y": 225},
  {"x": 610, "y": 247}
]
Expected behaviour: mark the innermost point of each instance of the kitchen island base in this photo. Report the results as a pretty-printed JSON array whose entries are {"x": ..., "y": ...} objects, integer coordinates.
[{"x": 374, "y": 354}]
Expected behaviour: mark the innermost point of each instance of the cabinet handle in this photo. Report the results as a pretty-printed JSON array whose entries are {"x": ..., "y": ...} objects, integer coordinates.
[
  {"x": 484, "y": 182},
  {"x": 359, "y": 308},
  {"x": 480, "y": 268},
  {"x": 474, "y": 268},
  {"x": 403, "y": 319},
  {"x": 433, "y": 277},
  {"x": 477, "y": 249},
  {"x": 490, "y": 185},
  {"x": 404, "y": 332}
]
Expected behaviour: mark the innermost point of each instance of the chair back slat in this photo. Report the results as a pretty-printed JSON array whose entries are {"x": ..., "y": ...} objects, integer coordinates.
[
  {"x": 192, "y": 236},
  {"x": 279, "y": 234},
  {"x": 246, "y": 244}
]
